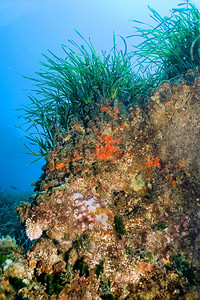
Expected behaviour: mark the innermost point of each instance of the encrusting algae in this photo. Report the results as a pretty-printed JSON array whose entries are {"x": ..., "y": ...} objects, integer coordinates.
[{"x": 116, "y": 212}]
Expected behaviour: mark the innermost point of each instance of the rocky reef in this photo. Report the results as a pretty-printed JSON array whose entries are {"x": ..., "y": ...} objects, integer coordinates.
[{"x": 116, "y": 212}]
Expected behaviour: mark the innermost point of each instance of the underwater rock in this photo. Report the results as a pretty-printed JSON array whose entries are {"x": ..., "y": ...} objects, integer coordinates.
[{"x": 116, "y": 214}]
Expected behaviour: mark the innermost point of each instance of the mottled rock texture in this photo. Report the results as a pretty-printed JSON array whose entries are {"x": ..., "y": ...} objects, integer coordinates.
[{"x": 116, "y": 213}]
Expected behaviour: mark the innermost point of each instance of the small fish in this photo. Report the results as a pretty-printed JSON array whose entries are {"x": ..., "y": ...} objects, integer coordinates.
[{"x": 12, "y": 187}]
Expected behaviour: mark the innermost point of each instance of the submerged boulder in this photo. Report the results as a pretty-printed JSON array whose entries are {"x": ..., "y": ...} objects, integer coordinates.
[{"x": 116, "y": 213}]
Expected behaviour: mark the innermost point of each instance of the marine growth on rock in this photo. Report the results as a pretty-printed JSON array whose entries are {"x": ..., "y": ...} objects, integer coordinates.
[{"x": 116, "y": 212}]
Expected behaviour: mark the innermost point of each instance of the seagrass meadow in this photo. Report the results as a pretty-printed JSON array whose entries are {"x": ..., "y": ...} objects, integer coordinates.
[{"x": 116, "y": 211}]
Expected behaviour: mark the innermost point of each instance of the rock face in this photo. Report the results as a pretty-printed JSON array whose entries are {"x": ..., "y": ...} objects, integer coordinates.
[{"x": 116, "y": 214}]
